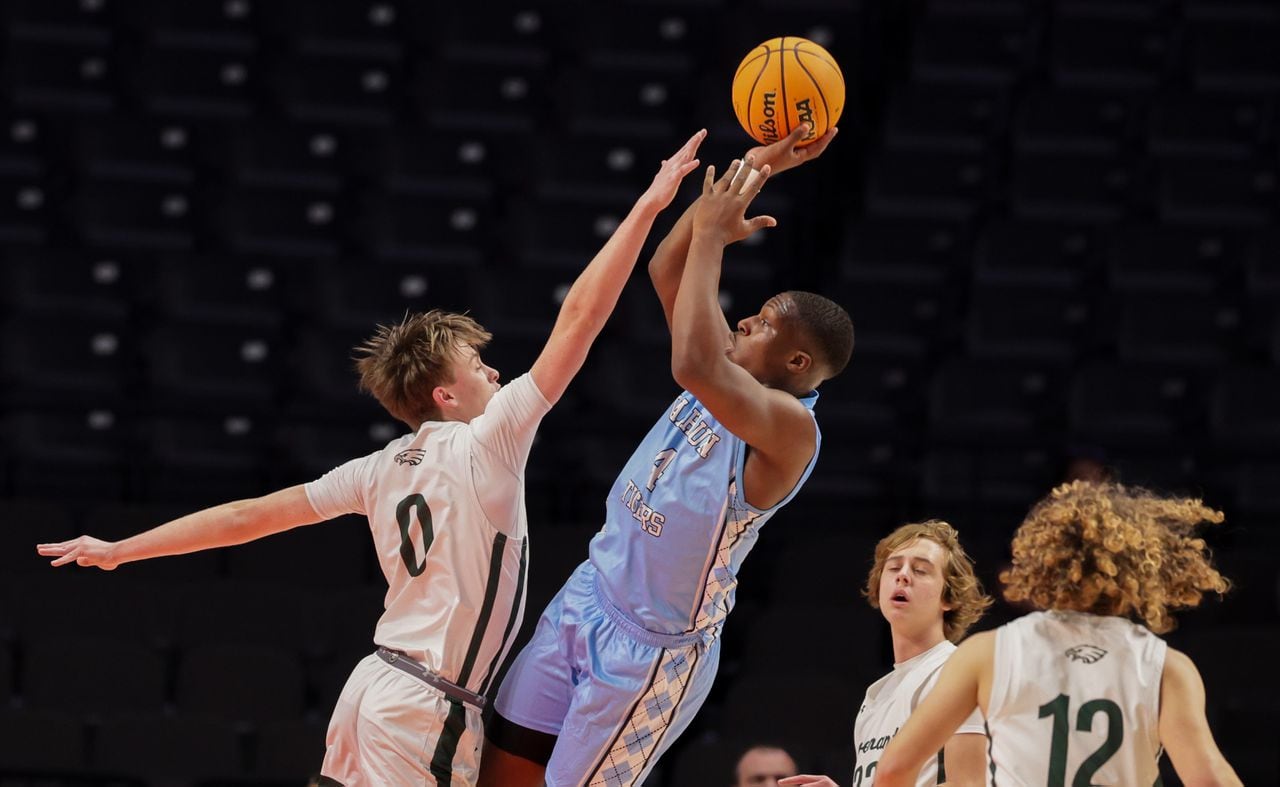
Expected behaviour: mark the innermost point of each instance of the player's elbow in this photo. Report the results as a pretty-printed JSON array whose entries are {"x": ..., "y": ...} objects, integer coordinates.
[
  {"x": 892, "y": 771},
  {"x": 687, "y": 369}
]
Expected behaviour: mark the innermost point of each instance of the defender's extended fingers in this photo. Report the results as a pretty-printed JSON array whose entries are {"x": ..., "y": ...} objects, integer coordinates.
[
  {"x": 57, "y": 548},
  {"x": 687, "y": 167},
  {"x": 690, "y": 148},
  {"x": 69, "y": 557}
]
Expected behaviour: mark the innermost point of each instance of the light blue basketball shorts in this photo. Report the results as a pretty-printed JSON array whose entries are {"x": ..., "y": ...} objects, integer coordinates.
[{"x": 616, "y": 695}]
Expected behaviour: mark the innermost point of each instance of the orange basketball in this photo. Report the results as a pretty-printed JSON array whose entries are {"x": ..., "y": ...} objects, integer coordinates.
[{"x": 785, "y": 82}]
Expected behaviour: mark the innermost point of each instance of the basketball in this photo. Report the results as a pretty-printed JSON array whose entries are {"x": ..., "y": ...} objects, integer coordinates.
[{"x": 785, "y": 82}]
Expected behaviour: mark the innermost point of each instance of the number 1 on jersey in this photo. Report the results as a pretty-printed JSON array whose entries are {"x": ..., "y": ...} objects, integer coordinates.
[{"x": 660, "y": 463}]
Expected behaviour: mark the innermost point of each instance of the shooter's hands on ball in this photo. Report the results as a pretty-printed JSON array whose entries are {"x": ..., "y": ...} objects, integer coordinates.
[
  {"x": 83, "y": 551},
  {"x": 673, "y": 170},
  {"x": 721, "y": 211},
  {"x": 787, "y": 154}
]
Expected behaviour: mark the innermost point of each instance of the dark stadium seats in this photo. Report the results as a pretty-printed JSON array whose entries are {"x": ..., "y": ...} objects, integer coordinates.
[
  {"x": 1049, "y": 324},
  {"x": 42, "y": 742},
  {"x": 55, "y": 451},
  {"x": 906, "y": 250},
  {"x": 161, "y": 747},
  {"x": 1071, "y": 187},
  {"x": 931, "y": 117},
  {"x": 253, "y": 683},
  {"x": 1132, "y": 405},
  {"x": 1036, "y": 253},
  {"x": 1154, "y": 258},
  {"x": 976, "y": 48},
  {"x": 928, "y": 185},
  {"x": 1210, "y": 126},
  {"x": 284, "y": 750},
  {"x": 1124, "y": 53},
  {"x": 990, "y": 403},
  {"x": 1077, "y": 121},
  {"x": 84, "y": 675}
]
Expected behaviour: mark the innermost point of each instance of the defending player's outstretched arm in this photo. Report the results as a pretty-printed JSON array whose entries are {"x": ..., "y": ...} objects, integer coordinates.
[
  {"x": 773, "y": 422},
  {"x": 667, "y": 265},
  {"x": 225, "y": 525},
  {"x": 594, "y": 294},
  {"x": 964, "y": 679}
]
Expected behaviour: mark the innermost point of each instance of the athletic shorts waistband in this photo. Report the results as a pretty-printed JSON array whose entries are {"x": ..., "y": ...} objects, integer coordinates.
[
  {"x": 639, "y": 633},
  {"x": 453, "y": 691}
]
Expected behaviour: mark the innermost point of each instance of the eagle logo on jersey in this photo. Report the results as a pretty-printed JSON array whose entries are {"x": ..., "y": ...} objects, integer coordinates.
[
  {"x": 412, "y": 457},
  {"x": 1088, "y": 654}
]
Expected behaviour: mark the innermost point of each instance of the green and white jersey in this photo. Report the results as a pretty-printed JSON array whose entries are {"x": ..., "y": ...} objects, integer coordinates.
[
  {"x": 1075, "y": 699},
  {"x": 447, "y": 514},
  {"x": 885, "y": 709}
]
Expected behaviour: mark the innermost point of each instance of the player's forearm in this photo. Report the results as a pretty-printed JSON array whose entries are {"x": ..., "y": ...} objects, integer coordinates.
[
  {"x": 697, "y": 323},
  {"x": 224, "y": 525},
  {"x": 667, "y": 264},
  {"x": 595, "y": 293}
]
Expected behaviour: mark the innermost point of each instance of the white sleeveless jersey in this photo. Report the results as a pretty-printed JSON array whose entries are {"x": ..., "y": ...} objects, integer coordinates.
[
  {"x": 885, "y": 709},
  {"x": 1075, "y": 699},
  {"x": 446, "y": 509}
]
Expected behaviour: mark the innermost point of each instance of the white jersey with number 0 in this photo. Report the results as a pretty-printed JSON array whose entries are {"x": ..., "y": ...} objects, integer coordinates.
[
  {"x": 1075, "y": 699},
  {"x": 446, "y": 508},
  {"x": 885, "y": 709}
]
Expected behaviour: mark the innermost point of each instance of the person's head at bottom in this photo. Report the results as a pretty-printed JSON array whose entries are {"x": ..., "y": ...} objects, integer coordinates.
[{"x": 763, "y": 766}]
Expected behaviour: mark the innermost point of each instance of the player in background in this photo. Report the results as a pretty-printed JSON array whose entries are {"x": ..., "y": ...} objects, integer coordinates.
[
  {"x": 446, "y": 510},
  {"x": 763, "y": 765},
  {"x": 923, "y": 583},
  {"x": 624, "y": 656},
  {"x": 1077, "y": 692}
]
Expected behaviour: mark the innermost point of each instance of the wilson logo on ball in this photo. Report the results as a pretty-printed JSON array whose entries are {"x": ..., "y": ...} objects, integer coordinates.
[{"x": 784, "y": 82}]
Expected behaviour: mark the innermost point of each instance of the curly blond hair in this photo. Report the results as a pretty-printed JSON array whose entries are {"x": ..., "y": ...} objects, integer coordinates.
[
  {"x": 962, "y": 589},
  {"x": 401, "y": 365},
  {"x": 1111, "y": 549}
]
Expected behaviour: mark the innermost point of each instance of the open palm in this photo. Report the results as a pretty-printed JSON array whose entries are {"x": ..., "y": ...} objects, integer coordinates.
[{"x": 673, "y": 170}]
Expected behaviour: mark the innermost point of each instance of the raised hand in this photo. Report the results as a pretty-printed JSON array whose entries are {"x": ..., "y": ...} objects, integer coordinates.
[
  {"x": 787, "y": 154},
  {"x": 721, "y": 211},
  {"x": 83, "y": 551},
  {"x": 673, "y": 170}
]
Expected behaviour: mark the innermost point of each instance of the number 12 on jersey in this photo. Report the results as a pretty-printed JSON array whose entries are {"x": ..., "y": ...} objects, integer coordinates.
[{"x": 1060, "y": 709}]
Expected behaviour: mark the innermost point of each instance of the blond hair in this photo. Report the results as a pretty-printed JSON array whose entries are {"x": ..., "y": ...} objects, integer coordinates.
[
  {"x": 1111, "y": 549},
  {"x": 401, "y": 365},
  {"x": 961, "y": 587}
]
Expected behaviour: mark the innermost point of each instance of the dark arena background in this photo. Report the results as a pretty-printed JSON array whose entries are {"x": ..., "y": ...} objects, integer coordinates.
[{"x": 1054, "y": 225}]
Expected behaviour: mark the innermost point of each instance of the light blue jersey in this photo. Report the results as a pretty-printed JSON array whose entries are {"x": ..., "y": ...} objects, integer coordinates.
[
  {"x": 626, "y": 653},
  {"x": 677, "y": 526}
]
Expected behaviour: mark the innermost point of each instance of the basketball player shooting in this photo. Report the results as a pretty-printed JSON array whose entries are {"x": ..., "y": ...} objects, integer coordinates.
[
  {"x": 625, "y": 654},
  {"x": 1078, "y": 692},
  {"x": 446, "y": 510}
]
